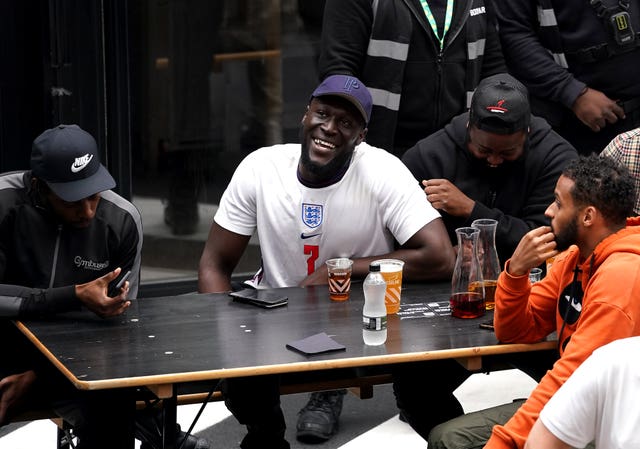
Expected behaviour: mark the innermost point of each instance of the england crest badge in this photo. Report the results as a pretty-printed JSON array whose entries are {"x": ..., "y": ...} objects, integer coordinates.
[{"x": 312, "y": 215}]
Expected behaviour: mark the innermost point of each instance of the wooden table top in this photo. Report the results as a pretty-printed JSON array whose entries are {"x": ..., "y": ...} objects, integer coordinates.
[{"x": 187, "y": 338}]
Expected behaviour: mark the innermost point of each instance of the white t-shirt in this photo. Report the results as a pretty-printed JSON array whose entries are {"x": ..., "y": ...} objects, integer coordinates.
[
  {"x": 377, "y": 201},
  {"x": 600, "y": 400}
]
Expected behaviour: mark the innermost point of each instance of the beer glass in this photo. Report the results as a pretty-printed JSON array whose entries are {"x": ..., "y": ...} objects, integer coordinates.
[
  {"x": 339, "y": 271},
  {"x": 391, "y": 270}
]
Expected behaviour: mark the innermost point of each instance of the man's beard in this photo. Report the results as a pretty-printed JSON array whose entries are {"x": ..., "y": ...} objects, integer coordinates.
[
  {"x": 323, "y": 171},
  {"x": 568, "y": 235}
]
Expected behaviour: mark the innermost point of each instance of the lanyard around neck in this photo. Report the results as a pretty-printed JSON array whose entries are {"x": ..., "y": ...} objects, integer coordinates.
[{"x": 432, "y": 21}]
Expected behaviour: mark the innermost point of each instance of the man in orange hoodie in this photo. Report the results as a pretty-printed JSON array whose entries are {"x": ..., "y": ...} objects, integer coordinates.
[{"x": 590, "y": 296}]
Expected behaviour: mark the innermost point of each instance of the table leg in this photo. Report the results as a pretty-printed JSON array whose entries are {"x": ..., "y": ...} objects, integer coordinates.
[{"x": 169, "y": 421}]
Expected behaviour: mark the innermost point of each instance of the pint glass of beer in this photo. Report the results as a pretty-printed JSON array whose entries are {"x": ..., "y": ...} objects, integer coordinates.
[
  {"x": 391, "y": 270},
  {"x": 339, "y": 278}
]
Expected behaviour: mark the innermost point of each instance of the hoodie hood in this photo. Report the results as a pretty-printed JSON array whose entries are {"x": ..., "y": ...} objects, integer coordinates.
[
  {"x": 626, "y": 240},
  {"x": 456, "y": 130}
]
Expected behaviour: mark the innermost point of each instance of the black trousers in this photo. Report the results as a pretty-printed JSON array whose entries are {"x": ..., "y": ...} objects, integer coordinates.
[
  {"x": 424, "y": 390},
  {"x": 255, "y": 402}
]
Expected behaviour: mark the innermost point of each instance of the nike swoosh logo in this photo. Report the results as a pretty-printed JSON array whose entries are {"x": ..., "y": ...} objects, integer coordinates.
[
  {"x": 308, "y": 236},
  {"x": 81, "y": 162}
]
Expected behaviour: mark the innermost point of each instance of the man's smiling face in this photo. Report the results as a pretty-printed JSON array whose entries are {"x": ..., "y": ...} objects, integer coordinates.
[{"x": 331, "y": 129}]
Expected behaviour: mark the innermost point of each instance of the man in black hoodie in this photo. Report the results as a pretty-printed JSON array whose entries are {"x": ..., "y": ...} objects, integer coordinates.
[{"x": 496, "y": 161}]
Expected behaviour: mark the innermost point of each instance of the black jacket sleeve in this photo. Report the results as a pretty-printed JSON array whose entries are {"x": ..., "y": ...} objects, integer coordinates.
[
  {"x": 23, "y": 302},
  {"x": 129, "y": 257},
  {"x": 527, "y": 58},
  {"x": 346, "y": 29},
  {"x": 493, "y": 59}
]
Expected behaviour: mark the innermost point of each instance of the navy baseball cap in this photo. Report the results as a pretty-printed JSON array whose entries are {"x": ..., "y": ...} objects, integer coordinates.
[
  {"x": 351, "y": 89},
  {"x": 67, "y": 159},
  {"x": 500, "y": 105}
]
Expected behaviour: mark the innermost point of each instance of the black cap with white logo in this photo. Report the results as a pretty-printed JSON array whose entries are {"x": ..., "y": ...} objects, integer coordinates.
[
  {"x": 500, "y": 105},
  {"x": 67, "y": 159}
]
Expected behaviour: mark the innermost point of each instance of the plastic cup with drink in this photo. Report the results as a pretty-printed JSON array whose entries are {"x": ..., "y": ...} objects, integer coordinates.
[
  {"x": 339, "y": 271},
  {"x": 391, "y": 270},
  {"x": 535, "y": 275}
]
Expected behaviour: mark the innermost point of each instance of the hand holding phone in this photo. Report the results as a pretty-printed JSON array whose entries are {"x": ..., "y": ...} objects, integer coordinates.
[{"x": 114, "y": 290}]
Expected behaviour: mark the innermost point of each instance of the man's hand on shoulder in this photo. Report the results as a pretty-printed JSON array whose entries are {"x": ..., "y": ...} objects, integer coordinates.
[{"x": 94, "y": 295}]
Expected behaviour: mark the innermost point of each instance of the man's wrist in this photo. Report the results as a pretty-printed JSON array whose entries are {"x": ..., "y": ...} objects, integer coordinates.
[
  {"x": 517, "y": 272},
  {"x": 584, "y": 90}
]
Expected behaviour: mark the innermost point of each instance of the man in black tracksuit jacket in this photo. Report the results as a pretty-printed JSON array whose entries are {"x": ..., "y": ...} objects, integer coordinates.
[
  {"x": 64, "y": 236},
  {"x": 417, "y": 87},
  {"x": 498, "y": 162},
  {"x": 39, "y": 250}
]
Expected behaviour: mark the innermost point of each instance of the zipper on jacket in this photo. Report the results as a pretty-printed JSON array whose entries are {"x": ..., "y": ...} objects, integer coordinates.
[
  {"x": 439, "y": 83},
  {"x": 448, "y": 39},
  {"x": 492, "y": 198},
  {"x": 55, "y": 257},
  {"x": 453, "y": 34}
]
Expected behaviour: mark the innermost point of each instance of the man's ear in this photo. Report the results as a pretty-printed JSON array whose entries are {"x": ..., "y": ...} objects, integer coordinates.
[
  {"x": 306, "y": 111},
  {"x": 362, "y": 135},
  {"x": 589, "y": 216},
  {"x": 36, "y": 185},
  {"x": 39, "y": 191}
]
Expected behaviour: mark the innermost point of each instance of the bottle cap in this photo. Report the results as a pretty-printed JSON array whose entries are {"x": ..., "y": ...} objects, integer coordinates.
[{"x": 374, "y": 267}]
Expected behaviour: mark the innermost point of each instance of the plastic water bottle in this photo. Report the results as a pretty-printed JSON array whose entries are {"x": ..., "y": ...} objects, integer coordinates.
[{"x": 374, "y": 313}]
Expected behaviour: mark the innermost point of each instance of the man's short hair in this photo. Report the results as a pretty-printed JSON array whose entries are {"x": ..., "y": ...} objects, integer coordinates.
[
  {"x": 603, "y": 183},
  {"x": 500, "y": 105},
  {"x": 67, "y": 159}
]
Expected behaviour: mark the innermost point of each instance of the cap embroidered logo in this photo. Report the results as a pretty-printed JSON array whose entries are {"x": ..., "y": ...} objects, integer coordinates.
[
  {"x": 351, "y": 83},
  {"x": 81, "y": 162},
  {"x": 497, "y": 108}
]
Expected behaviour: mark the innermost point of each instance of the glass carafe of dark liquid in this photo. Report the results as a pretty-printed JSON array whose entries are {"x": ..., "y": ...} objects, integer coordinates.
[
  {"x": 467, "y": 287},
  {"x": 488, "y": 257}
]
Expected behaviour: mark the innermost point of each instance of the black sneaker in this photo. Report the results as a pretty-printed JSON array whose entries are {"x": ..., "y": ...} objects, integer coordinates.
[
  {"x": 192, "y": 442},
  {"x": 318, "y": 420},
  {"x": 155, "y": 441}
]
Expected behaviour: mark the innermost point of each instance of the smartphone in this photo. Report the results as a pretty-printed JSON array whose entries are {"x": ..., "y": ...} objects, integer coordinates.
[
  {"x": 260, "y": 298},
  {"x": 487, "y": 325},
  {"x": 114, "y": 290}
]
